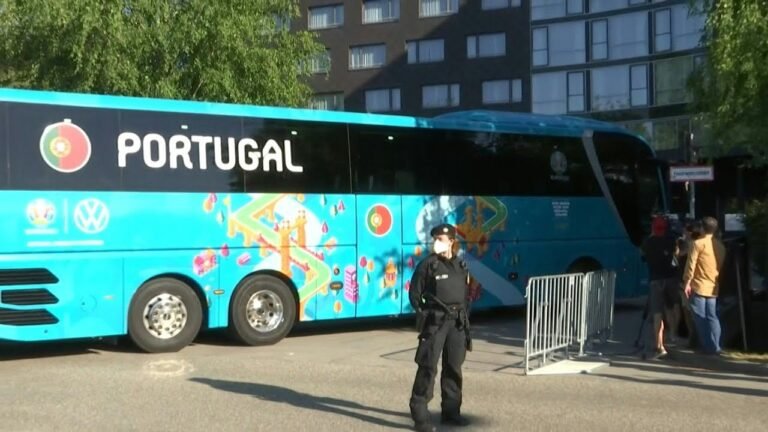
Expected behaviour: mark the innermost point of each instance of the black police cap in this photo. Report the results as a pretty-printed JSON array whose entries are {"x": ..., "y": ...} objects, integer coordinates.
[{"x": 446, "y": 229}]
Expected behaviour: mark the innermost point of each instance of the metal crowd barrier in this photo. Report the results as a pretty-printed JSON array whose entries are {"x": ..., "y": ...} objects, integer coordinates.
[
  {"x": 567, "y": 310},
  {"x": 598, "y": 298}
]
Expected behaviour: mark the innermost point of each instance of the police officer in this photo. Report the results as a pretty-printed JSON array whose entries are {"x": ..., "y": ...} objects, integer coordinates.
[{"x": 438, "y": 294}]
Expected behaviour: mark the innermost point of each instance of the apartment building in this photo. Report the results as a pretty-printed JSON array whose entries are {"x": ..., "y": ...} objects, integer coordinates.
[
  {"x": 625, "y": 61},
  {"x": 420, "y": 57}
]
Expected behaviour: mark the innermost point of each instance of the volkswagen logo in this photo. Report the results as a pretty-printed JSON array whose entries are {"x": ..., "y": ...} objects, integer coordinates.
[{"x": 91, "y": 216}]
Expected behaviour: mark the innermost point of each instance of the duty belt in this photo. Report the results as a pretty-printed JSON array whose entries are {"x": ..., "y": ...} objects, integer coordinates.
[{"x": 453, "y": 312}]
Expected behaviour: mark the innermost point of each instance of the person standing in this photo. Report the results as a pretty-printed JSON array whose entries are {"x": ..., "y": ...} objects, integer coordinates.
[
  {"x": 659, "y": 253},
  {"x": 439, "y": 293},
  {"x": 700, "y": 281}
]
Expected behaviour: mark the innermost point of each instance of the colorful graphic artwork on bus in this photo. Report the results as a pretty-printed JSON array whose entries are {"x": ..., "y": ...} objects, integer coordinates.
[
  {"x": 297, "y": 236},
  {"x": 347, "y": 256}
]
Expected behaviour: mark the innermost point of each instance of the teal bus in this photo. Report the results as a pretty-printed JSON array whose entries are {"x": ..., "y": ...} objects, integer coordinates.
[{"x": 157, "y": 219}]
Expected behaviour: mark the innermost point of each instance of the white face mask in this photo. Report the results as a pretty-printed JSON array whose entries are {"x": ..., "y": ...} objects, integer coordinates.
[{"x": 440, "y": 247}]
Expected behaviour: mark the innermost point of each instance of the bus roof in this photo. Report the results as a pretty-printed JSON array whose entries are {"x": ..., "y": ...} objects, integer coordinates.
[
  {"x": 505, "y": 121},
  {"x": 476, "y": 120}
]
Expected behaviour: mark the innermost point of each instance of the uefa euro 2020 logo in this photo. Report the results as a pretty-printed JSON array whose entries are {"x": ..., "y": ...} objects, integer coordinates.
[{"x": 41, "y": 213}]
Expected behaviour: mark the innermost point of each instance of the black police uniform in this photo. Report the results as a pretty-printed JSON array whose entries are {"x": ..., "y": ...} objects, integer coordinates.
[{"x": 439, "y": 294}]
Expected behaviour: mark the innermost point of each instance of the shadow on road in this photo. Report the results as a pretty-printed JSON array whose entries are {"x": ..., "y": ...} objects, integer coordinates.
[
  {"x": 32, "y": 350},
  {"x": 307, "y": 401},
  {"x": 10, "y": 350},
  {"x": 690, "y": 383}
]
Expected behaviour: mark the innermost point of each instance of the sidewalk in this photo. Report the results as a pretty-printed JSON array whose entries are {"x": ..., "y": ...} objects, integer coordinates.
[
  {"x": 621, "y": 347},
  {"x": 719, "y": 363}
]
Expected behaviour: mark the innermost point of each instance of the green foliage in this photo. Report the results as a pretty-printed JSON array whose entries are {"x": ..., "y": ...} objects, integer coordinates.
[
  {"x": 225, "y": 51},
  {"x": 732, "y": 88},
  {"x": 756, "y": 221}
]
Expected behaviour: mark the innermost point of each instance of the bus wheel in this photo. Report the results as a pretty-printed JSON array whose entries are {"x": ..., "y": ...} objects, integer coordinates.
[
  {"x": 263, "y": 310},
  {"x": 165, "y": 316},
  {"x": 584, "y": 265}
]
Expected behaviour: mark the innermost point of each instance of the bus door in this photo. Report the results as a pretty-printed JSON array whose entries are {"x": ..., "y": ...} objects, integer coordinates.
[{"x": 379, "y": 255}]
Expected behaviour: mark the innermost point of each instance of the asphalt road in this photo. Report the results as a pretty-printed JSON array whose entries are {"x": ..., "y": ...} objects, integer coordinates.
[{"x": 346, "y": 379}]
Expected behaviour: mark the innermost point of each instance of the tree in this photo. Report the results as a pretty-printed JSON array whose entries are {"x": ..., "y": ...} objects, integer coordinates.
[
  {"x": 732, "y": 88},
  {"x": 236, "y": 51}
]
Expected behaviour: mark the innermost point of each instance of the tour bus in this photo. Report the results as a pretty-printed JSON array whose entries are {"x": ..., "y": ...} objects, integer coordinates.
[{"x": 161, "y": 218}]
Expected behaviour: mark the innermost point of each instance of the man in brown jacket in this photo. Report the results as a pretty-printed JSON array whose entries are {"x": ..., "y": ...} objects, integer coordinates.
[{"x": 700, "y": 280}]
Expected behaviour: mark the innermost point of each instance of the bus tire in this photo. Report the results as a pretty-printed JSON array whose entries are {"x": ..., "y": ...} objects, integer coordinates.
[
  {"x": 262, "y": 311},
  {"x": 584, "y": 265},
  {"x": 165, "y": 315}
]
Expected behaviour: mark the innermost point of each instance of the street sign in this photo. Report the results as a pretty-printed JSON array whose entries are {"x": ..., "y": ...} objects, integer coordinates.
[{"x": 691, "y": 173}]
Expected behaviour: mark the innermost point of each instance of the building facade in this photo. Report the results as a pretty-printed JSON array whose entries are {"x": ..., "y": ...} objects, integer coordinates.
[
  {"x": 625, "y": 61},
  {"x": 420, "y": 57}
]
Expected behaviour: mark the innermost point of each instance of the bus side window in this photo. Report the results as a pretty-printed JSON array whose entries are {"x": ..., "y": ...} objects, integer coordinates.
[
  {"x": 390, "y": 161},
  {"x": 26, "y": 169},
  {"x": 3, "y": 147},
  {"x": 320, "y": 149},
  {"x": 404, "y": 181}
]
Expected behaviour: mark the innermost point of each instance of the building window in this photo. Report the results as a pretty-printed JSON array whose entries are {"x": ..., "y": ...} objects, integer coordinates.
[
  {"x": 367, "y": 56},
  {"x": 670, "y": 80},
  {"x": 425, "y": 51},
  {"x": 662, "y": 30},
  {"x": 639, "y": 82},
  {"x": 610, "y": 88},
  {"x": 438, "y": 96},
  {"x": 502, "y": 91},
  {"x": 574, "y": 7},
  {"x": 599, "y": 40},
  {"x": 699, "y": 61},
  {"x": 540, "y": 47},
  {"x": 544, "y": 9},
  {"x": 576, "y": 92},
  {"x": 549, "y": 93},
  {"x": 329, "y": 102},
  {"x": 282, "y": 23},
  {"x": 628, "y": 35},
  {"x": 321, "y": 63},
  {"x": 382, "y": 100},
  {"x": 517, "y": 90},
  {"x": 431, "y": 8},
  {"x": 687, "y": 27},
  {"x": 326, "y": 17},
  {"x": 499, "y": 4},
  {"x": 566, "y": 44},
  {"x": 487, "y": 45},
  {"x": 376, "y": 11},
  {"x": 606, "y": 5}
]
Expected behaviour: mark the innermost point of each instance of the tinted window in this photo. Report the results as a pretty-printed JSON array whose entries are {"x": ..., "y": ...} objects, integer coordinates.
[
  {"x": 178, "y": 152},
  {"x": 394, "y": 160},
  {"x": 632, "y": 179},
  {"x": 318, "y": 150},
  {"x": 54, "y": 147},
  {"x": 534, "y": 165},
  {"x": 3, "y": 146}
]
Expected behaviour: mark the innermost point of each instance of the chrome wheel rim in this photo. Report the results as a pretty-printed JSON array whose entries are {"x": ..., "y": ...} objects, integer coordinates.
[
  {"x": 165, "y": 316},
  {"x": 264, "y": 311}
]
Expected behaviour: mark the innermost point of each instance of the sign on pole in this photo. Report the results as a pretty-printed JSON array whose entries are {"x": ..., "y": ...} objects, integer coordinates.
[{"x": 691, "y": 173}]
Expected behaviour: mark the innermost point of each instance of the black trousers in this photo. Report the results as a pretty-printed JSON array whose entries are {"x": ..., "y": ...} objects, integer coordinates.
[{"x": 438, "y": 337}]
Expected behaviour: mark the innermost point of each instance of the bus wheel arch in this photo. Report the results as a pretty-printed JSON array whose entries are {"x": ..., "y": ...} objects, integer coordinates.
[
  {"x": 165, "y": 314},
  {"x": 263, "y": 309},
  {"x": 584, "y": 264}
]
